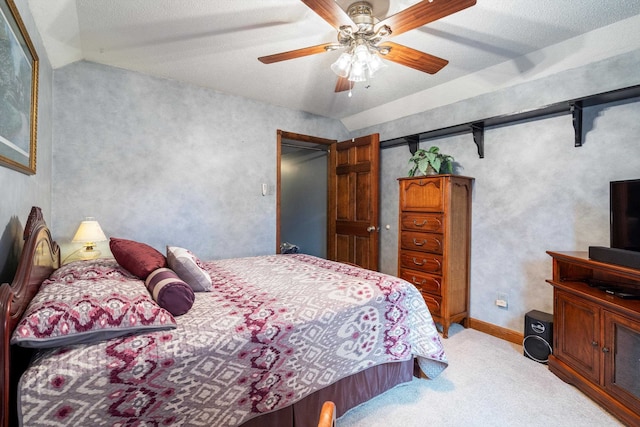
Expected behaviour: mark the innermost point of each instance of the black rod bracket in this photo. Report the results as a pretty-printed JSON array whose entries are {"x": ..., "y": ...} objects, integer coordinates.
[
  {"x": 413, "y": 141},
  {"x": 477, "y": 129},
  {"x": 576, "y": 114}
]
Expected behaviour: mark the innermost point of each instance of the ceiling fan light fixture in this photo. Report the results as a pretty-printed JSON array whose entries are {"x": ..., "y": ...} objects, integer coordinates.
[
  {"x": 358, "y": 63},
  {"x": 342, "y": 66},
  {"x": 361, "y": 54},
  {"x": 358, "y": 72},
  {"x": 375, "y": 64}
]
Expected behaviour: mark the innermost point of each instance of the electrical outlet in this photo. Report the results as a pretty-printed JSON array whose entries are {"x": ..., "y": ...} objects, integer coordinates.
[{"x": 502, "y": 300}]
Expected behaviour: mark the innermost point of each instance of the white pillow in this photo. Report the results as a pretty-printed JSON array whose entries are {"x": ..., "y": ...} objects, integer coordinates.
[{"x": 189, "y": 268}]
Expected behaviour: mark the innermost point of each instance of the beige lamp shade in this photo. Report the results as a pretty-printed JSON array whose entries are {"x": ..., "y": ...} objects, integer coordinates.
[{"x": 89, "y": 232}]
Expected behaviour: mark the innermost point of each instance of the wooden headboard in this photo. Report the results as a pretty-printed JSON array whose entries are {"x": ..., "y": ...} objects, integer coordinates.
[{"x": 40, "y": 256}]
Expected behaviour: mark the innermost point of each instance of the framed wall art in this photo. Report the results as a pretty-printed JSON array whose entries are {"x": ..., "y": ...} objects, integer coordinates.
[{"x": 18, "y": 92}]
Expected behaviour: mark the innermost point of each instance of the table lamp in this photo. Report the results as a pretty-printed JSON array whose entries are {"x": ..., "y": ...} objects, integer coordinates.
[{"x": 89, "y": 232}]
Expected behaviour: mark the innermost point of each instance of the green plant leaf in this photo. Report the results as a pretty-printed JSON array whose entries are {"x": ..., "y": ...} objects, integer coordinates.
[
  {"x": 435, "y": 164},
  {"x": 423, "y": 164},
  {"x": 447, "y": 166}
]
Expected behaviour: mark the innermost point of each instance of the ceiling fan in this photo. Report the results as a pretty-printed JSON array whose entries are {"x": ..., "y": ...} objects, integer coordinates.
[{"x": 362, "y": 37}]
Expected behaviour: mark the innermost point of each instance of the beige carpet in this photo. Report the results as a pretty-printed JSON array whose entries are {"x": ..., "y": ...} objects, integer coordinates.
[{"x": 488, "y": 383}]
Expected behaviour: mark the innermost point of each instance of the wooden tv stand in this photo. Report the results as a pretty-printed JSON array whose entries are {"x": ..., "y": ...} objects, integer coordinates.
[{"x": 596, "y": 334}]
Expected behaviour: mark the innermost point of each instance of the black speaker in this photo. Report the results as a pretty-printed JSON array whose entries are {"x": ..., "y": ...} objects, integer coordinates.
[
  {"x": 538, "y": 335},
  {"x": 615, "y": 256}
]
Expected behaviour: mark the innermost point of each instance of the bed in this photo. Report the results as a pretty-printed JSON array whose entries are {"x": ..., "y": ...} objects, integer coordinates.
[{"x": 271, "y": 340}]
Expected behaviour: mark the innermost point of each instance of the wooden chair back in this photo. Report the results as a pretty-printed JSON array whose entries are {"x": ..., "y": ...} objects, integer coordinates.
[{"x": 327, "y": 415}]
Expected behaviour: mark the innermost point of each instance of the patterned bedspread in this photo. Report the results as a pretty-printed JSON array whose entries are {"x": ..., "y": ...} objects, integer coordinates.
[{"x": 273, "y": 330}]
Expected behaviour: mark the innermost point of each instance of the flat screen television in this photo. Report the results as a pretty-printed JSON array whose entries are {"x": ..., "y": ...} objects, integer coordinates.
[{"x": 625, "y": 214}]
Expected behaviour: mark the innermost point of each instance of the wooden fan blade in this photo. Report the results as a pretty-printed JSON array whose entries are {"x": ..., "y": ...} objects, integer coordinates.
[
  {"x": 343, "y": 84},
  {"x": 292, "y": 54},
  {"x": 330, "y": 12},
  {"x": 422, "y": 13},
  {"x": 408, "y": 57}
]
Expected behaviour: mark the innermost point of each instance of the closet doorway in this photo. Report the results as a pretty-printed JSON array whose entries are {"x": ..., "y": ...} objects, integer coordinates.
[{"x": 302, "y": 193}]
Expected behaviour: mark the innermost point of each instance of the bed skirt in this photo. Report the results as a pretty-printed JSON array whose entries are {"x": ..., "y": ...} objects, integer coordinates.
[{"x": 347, "y": 393}]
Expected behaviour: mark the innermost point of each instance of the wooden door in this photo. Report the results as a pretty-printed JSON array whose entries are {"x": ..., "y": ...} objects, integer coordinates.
[
  {"x": 621, "y": 351},
  {"x": 353, "y": 212},
  {"x": 576, "y": 332}
]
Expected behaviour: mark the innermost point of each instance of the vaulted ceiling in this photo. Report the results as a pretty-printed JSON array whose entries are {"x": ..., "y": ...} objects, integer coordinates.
[{"x": 216, "y": 44}]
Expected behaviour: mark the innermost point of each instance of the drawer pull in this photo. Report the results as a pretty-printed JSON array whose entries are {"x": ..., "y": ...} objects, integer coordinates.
[
  {"x": 594, "y": 343},
  {"x": 415, "y": 281},
  {"x": 425, "y": 241},
  {"x": 424, "y": 261},
  {"x": 424, "y": 222}
]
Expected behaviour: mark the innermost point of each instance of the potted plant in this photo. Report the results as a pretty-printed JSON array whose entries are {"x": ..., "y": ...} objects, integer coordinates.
[{"x": 430, "y": 162}]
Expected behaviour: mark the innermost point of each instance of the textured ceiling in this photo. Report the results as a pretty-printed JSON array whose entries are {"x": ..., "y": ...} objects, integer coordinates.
[{"x": 216, "y": 44}]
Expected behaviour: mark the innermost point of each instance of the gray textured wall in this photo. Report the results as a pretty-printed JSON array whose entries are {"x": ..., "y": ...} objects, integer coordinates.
[
  {"x": 19, "y": 191},
  {"x": 534, "y": 191},
  {"x": 162, "y": 162}
]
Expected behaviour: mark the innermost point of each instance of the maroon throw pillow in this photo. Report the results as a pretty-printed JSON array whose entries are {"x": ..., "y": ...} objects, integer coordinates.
[
  {"x": 171, "y": 293},
  {"x": 138, "y": 258}
]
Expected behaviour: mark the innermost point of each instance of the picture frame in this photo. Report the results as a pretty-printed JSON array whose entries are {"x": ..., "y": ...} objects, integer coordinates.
[{"x": 18, "y": 92}]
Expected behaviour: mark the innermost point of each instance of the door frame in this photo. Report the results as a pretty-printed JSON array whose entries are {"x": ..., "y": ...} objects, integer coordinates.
[{"x": 304, "y": 141}]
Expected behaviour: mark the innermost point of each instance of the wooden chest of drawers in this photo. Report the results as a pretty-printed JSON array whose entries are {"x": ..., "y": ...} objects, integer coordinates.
[{"x": 434, "y": 243}]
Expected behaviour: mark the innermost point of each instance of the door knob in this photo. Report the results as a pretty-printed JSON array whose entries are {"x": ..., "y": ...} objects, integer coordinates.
[{"x": 371, "y": 228}]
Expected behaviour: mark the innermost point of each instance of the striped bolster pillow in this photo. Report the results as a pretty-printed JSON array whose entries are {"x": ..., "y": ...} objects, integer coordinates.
[{"x": 171, "y": 293}]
